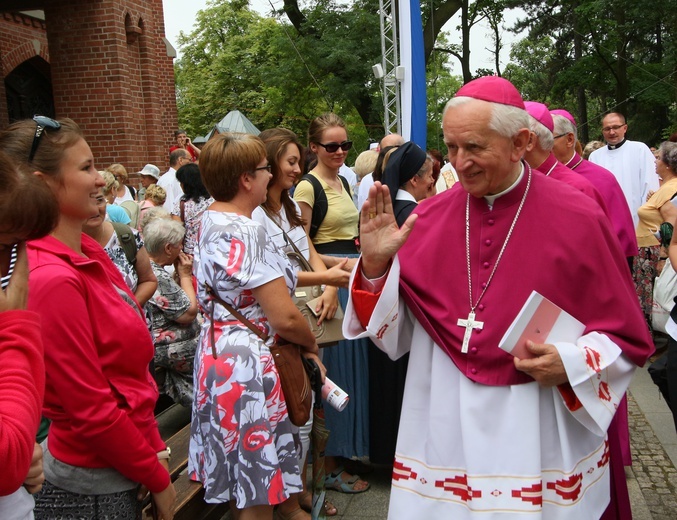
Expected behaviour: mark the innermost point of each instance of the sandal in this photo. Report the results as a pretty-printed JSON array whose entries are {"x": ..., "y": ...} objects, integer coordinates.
[
  {"x": 306, "y": 503},
  {"x": 335, "y": 482}
]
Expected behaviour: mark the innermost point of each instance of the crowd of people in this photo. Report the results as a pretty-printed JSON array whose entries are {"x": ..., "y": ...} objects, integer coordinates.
[{"x": 113, "y": 294}]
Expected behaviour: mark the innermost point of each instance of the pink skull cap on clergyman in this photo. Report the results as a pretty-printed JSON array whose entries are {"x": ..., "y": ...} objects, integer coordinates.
[
  {"x": 493, "y": 89},
  {"x": 563, "y": 113},
  {"x": 540, "y": 113}
]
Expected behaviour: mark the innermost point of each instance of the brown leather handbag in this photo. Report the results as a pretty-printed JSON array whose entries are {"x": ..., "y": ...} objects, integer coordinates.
[{"x": 289, "y": 362}]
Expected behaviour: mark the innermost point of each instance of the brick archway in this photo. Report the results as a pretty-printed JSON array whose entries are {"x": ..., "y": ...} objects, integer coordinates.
[{"x": 29, "y": 90}]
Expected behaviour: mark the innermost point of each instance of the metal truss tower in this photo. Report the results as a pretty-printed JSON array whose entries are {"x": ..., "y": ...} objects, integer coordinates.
[{"x": 389, "y": 71}]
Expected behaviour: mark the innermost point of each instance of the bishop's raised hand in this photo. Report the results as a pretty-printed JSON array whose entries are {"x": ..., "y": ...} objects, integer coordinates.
[{"x": 380, "y": 236}]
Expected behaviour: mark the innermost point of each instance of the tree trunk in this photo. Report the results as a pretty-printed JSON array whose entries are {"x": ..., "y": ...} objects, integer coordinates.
[{"x": 581, "y": 98}]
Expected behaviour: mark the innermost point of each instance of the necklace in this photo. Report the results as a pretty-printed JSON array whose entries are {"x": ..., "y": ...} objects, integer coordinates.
[{"x": 469, "y": 323}]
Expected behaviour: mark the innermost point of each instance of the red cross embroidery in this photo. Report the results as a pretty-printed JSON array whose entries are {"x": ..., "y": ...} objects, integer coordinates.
[
  {"x": 459, "y": 487},
  {"x": 604, "y": 392},
  {"x": 593, "y": 358},
  {"x": 382, "y": 331},
  {"x": 532, "y": 494},
  {"x": 606, "y": 455},
  {"x": 568, "y": 488},
  {"x": 402, "y": 472}
]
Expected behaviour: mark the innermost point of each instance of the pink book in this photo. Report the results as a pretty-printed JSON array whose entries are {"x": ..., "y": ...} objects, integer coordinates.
[{"x": 540, "y": 321}]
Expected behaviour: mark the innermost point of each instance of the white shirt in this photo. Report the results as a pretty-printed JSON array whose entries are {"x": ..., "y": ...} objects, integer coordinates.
[
  {"x": 172, "y": 187},
  {"x": 363, "y": 191},
  {"x": 634, "y": 167}
]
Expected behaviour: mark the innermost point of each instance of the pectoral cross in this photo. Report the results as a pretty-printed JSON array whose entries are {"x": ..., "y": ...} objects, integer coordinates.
[{"x": 469, "y": 325}]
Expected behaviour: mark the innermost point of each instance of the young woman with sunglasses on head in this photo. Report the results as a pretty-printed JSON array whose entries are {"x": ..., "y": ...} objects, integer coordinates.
[
  {"x": 103, "y": 441},
  {"x": 347, "y": 362}
]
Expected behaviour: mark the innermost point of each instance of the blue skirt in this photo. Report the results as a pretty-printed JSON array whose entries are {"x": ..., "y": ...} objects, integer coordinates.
[{"x": 348, "y": 366}]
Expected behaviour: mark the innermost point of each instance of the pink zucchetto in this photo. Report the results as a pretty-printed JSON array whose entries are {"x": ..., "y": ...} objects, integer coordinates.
[
  {"x": 563, "y": 113},
  {"x": 493, "y": 89},
  {"x": 540, "y": 113}
]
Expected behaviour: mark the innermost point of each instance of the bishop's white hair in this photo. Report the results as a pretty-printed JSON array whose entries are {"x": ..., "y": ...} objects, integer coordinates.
[
  {"x": 564, "y": 126},
  {"x": 545, "y": 138},
  {"x": 506, "y": 120}
]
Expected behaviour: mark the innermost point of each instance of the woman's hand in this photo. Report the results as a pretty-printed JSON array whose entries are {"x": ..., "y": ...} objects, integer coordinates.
[
  {"x": 15, "y": 296},
  {"x": 327, "y": 305},
  {"x": 36, "y": 476},
  {"x": 315, "y": 357},
  {"x": 164, "y": 502},
  {"x": 184, "y": 265},
  {"x": 338, "y": 276},
  {"x": 380, "y": 236}
]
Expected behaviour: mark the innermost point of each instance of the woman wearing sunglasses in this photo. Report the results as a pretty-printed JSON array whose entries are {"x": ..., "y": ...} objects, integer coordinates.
[
  {"x": 334, "y": 239},
  {"x": 103, "y": 441}
]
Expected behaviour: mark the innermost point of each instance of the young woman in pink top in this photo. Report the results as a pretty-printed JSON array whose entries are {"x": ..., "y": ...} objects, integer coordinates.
[{"x": 103, "y": 449}]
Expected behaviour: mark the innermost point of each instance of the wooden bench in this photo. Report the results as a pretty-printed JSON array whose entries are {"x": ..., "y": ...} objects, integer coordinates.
[{"x": 190, "y": 504}]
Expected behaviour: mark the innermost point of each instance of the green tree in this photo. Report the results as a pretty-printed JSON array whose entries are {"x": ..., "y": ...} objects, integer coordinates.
[{"x": 606, "y": 56}]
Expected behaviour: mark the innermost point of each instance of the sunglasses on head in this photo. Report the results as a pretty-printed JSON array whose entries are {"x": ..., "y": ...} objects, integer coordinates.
[
  {"x": 42, "y": 122},
  {"x": 333, "y": 147}
]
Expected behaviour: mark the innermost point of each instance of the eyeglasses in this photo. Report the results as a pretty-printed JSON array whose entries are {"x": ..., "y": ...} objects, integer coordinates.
[
  {"x": 42, "y": 122},
  {"x": 615, "y": 128},
  {"x": 266, "y": 167},
  {"x": 558, "y": 136},
  {"x": 333, "y": 147}
]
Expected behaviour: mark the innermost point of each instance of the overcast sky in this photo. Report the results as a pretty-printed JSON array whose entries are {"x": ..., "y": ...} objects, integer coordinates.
[{"x": 180, "y": 15}]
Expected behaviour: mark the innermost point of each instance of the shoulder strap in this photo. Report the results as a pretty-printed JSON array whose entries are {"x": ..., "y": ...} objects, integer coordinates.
[
  {"x": 182, "y": 206},
  {"x": 127, "y": 241},
  {"x": 297, "y": 253},
  {"x": 344, "y": 181},
  {"x": 321, "y": 205},
  {"x": 235, "y": 313}
]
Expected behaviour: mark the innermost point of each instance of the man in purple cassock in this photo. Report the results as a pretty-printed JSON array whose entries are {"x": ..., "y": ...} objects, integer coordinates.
[
  {"x": 566, "y": 134},
  {"x": 482, "y": 433},
  {"x": 540, "y": 156}
]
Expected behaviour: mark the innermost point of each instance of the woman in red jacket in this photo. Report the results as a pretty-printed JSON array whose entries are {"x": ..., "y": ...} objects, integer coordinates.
[{"x": 103, "y": 441}]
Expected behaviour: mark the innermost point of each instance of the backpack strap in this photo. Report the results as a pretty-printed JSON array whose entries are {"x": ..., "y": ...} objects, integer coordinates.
[
  {"x": 127, "y": 241},
  {"x": 321, "y": 205},
  {"x": 344, "y": 181}
]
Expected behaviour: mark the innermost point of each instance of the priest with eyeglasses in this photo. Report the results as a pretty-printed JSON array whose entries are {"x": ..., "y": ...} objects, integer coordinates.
[
  {"x": 631, "y": 162},
  {"x": 483, "y": 434}
]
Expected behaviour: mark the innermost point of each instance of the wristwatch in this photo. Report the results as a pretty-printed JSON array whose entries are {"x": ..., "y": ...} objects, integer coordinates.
[{"x": 164, "y": 454}]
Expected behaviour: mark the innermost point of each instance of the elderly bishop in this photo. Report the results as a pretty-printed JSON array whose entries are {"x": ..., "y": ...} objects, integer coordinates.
[{"x": 484, "y": 435}]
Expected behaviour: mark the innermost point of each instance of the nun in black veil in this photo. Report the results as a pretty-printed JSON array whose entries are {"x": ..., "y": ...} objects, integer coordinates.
[{"x": 409, "y": 176}]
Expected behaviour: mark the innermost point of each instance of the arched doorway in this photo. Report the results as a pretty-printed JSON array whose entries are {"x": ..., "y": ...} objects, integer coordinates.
[{"x": 29, "y": 90}]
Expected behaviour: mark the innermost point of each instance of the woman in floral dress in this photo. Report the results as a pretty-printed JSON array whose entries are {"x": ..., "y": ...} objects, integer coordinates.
[
  {"x": 173, "y": 310},
  {"x": 243, "y": 447}
]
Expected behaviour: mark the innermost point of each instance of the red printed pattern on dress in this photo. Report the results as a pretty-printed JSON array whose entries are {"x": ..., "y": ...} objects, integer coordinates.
[
  {"x": 458, "y": 485},
  {"x": 532, "y": 494},
  {"x": 236, "y": 256}
]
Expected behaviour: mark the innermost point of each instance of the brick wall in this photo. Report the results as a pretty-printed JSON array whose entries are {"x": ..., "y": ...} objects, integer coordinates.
[{"x": 110, "y": 73}]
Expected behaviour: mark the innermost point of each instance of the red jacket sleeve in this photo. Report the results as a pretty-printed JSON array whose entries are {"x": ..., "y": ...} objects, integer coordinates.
[
  {"x": 22, "y": 385},
  {"x": 364, "y": 302}
]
